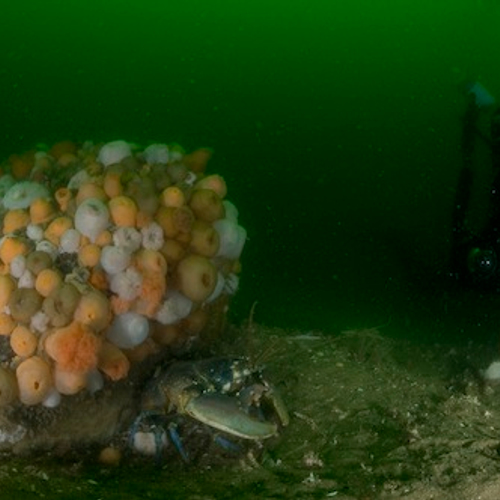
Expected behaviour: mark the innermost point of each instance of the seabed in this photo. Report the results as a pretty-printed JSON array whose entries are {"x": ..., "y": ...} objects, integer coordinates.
[{"x": 372, "y": 417}]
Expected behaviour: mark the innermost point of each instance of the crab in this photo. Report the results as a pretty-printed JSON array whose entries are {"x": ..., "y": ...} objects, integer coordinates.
[{"x": 227, "y": 397}]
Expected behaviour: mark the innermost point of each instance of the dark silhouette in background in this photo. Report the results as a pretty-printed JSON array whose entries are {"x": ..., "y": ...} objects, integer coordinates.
[{"x": 475, "y": 256}]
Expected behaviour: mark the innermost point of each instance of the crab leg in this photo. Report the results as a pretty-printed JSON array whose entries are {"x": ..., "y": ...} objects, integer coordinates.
[{"x": 176, "y": 440}]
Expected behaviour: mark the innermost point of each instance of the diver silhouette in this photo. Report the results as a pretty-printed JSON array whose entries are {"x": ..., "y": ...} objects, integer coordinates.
[{"x": 475, "y": 255}]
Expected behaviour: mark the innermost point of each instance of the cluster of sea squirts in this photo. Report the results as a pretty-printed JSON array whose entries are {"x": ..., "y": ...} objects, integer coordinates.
[{"x": 108, "y": 254}]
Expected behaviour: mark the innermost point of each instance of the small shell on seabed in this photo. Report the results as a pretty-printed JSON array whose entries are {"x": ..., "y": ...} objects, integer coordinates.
[
  {"x": 146, "y": 442},
  {"x": 110, "y": 456},
  {"x": 492, "y": 373}
]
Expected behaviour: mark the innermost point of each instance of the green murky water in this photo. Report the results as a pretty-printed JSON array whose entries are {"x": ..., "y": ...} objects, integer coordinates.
[{"x": 335, "y": 123}]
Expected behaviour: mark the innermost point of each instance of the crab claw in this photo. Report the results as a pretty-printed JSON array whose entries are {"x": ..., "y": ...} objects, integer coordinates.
[
  {"x": 255, "y": 394},
  {"x": 225, "y": 413}
]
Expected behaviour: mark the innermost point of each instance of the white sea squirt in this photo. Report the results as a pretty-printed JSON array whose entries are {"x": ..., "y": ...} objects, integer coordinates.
[
  {"x": 175, "y": 307},
  {"x": 231, "y": 211},
  {"x": 156, "y": 153},
  {"x": 53, "y": 399},
  {"x": 22, "y": 194},
  {"x": 127, "y": 237},
  {"x": 152, "y": 236},
  {"x": 70, "y": 241},
  {"x": 114, "y": 260},
  {"x": 128, "y": 330},
  {"x": 219, "y": 288},
  {"x": 91, "y": 218},
  {"x": 114, "y": 152},
  {"x": 126, "y": 284},
  {"x": 232, "y": 238},
  {"x": 34, "y": 232},
  {"x": 18, "y": 266}
]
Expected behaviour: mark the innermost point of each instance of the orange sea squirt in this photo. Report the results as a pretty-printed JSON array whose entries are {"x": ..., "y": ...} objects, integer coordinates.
[
  {"x": 74, "y": 347},
  {"x": 94, "y": 310},
  {"x": 113, "y": 362},
  {"x": 34, "y": 379}
]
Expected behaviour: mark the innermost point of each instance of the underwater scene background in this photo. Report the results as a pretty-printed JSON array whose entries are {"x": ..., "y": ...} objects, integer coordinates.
[
  {"x": 335, "y": 123},
  {"x": 337, "y": 126}
]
